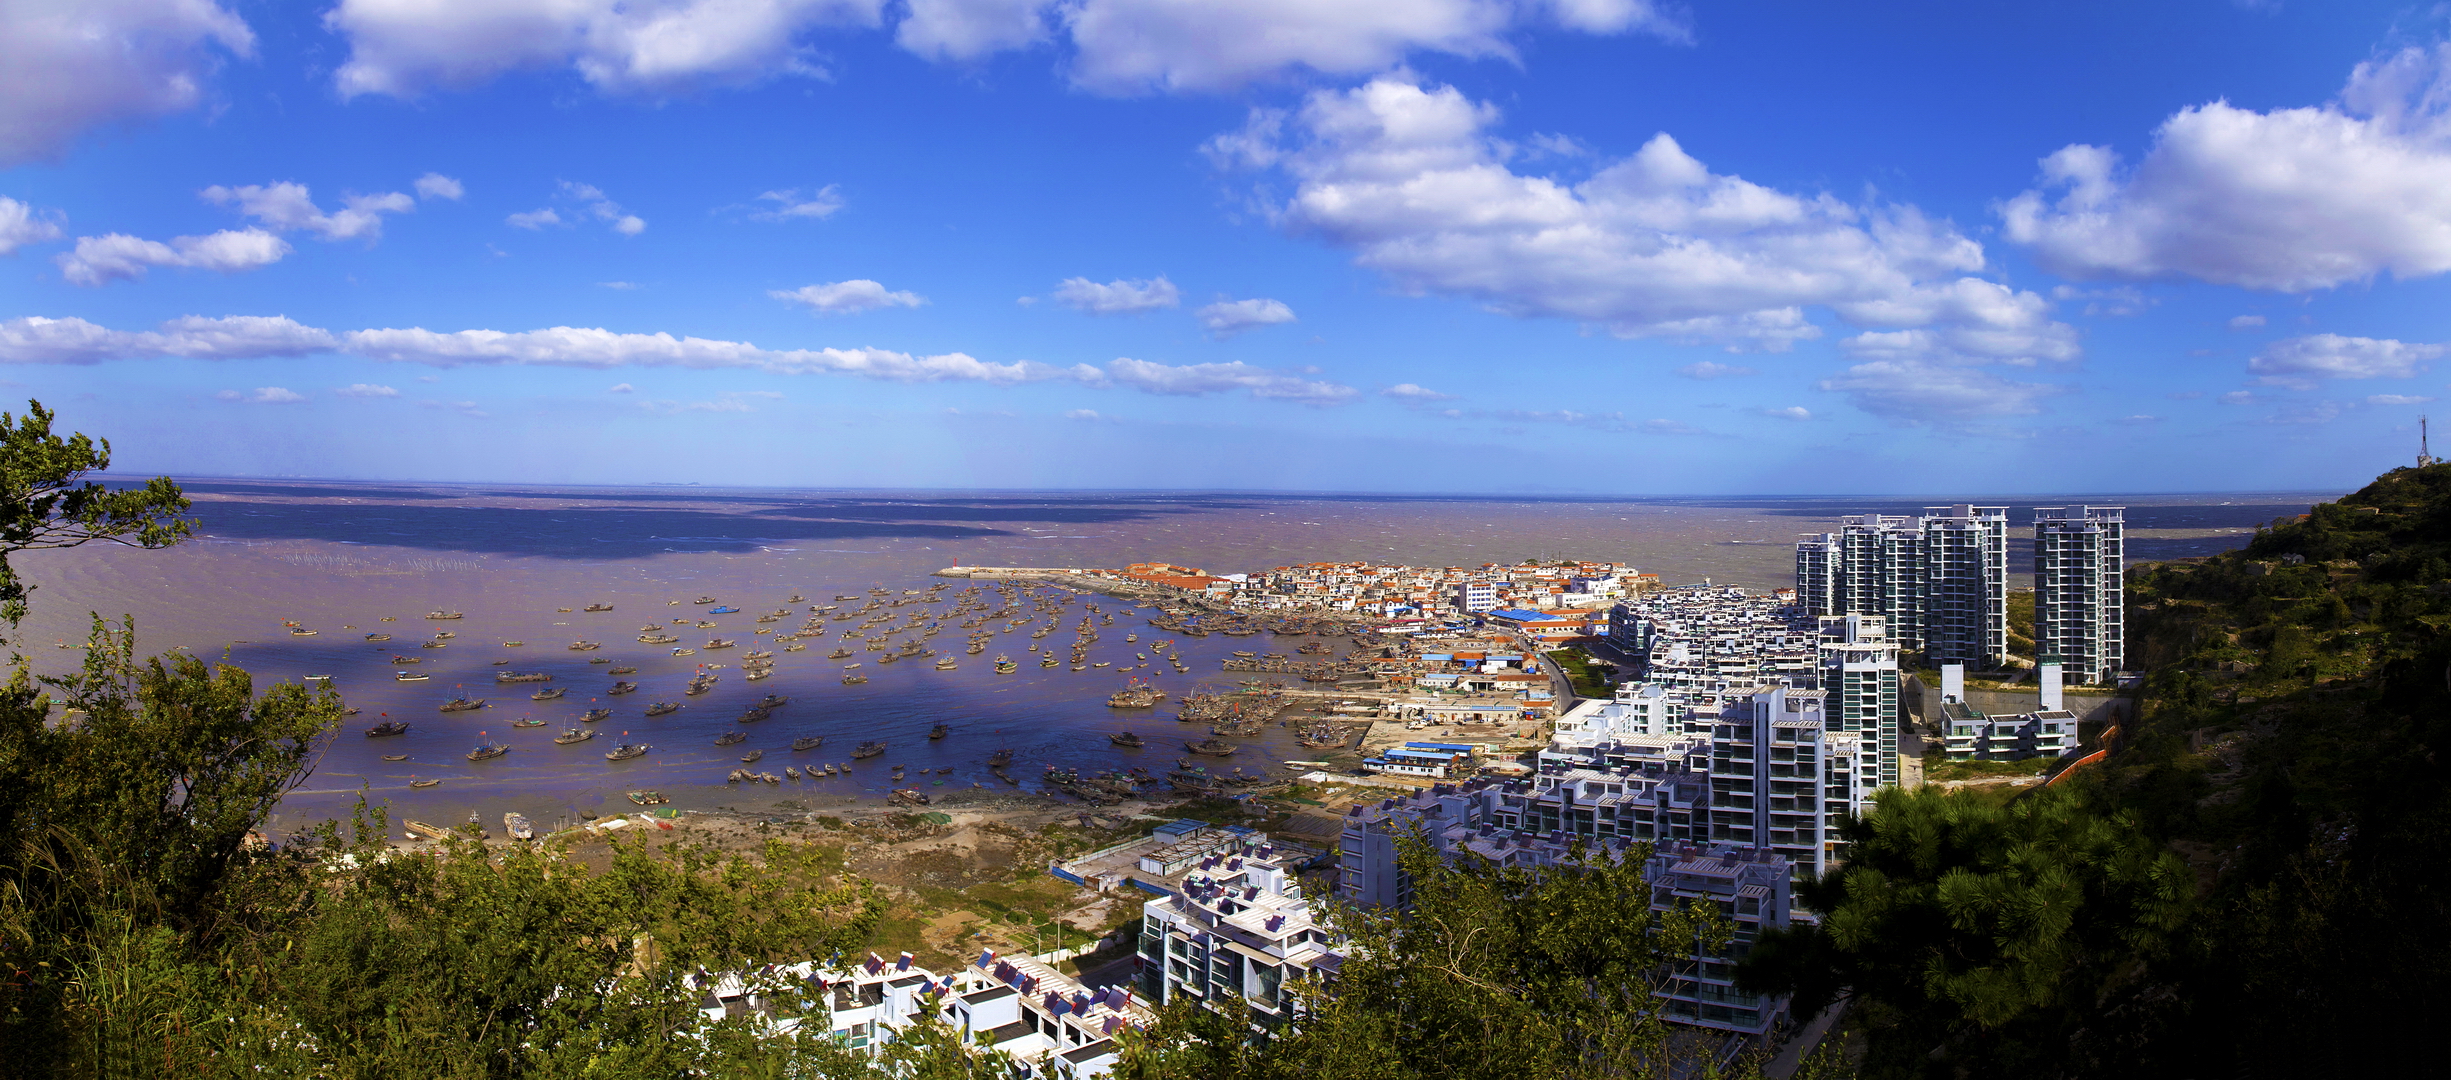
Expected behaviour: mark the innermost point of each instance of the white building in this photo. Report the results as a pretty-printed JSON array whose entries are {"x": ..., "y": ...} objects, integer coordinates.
[
  {"x": 1859, "y": 673},
  {"x": 1238, "y": 924},
  {"x": 2080, "y": 606},
  {"x": 1749, "y": 886},
  {"x": 1940, "y": 580},
  {"x": 1474, "y": 597},
  {"x": 1972, "y": 735}
]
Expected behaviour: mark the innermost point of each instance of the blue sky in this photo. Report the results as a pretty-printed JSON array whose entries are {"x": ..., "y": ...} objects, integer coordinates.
[{"x": 1398, "y": 245}]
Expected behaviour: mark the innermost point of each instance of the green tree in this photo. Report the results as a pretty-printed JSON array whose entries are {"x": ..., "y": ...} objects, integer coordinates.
[
  {"x": 1982, "y": 939},
  {"x": 47, "y": 502}
]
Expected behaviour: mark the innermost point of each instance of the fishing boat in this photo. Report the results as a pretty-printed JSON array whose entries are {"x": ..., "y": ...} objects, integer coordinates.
[
  {"x": 1126, "y": 738},
  {"x": 518, "y": 825},
  {"x": 854, "y": 679},
  {"x": 485, "y": 751},
  {"x": 407, "y": 660},
  {"x": 999, "y": 759},
  {"x": 751, "y": 756},
  {"x": 554, "y": 694},
  {"x": 395, "y": 757},
  {"x": 684, "y": 652},
  {"x": 754, "y": 715},
  {"x": 719, "y": 643},
  {"x": 420, "y": 830},
  {"x": 649, "y": 798},
  {"x": 912, "y": 796},
  {"x": 378, "y": 637},
  {"x": 759, "y": 674},
  {"x": 585, "y": 646},
  {"x": 459, "y": 704},
  {"x": 663, "y": 708},
  {"x": 946, "y": 664},
  {"x": 808, "y": 742},
  {"x": 573, "y": 736},
  {"x": 442, "y": 615},
  {"x": 409, "y": 676},
  {"x": 527, "y": 722},
  {"x": 938, "y": 732},
  {"x": 598, "y": 607},
  {"x": 621, "y": 669},
  {"x": 593, "y": 715},
  {"x": 1218, "y": 747},
  {"x": 867, "y": 750},
  {"x": 434, "y": 645},
  {"x": 730, "y": 737},
  {"x": 626, "y": 751},
  {"x": 521, "y": 676},
  {"x": 758, "y": 654},
  {"x": 1005, "y": 665},
  {"x": 703, "y": 600},
  {"x": 838, "y": 654},
  {"x": 623, "y": 688},
  {"x": 724, "y": 610},
  {"x": 658, "y": 639},
  {"x": 773, "y": 701},
  {"x": 388, "y": 727}
]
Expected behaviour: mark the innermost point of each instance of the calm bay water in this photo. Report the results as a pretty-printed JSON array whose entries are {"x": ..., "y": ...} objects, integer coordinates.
[{"x": 335, "y": 556}]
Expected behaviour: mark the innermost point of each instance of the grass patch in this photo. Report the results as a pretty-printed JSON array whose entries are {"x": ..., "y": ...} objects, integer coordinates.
[
  {"x": 1588, "y": 682},
  {"x": 1984, "y": 770}
]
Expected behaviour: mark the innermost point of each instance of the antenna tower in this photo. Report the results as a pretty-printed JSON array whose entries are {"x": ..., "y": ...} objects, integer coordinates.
[{"x": 2425, "y": 455}]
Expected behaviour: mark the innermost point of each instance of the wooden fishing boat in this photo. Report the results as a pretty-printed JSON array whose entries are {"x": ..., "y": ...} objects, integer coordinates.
[
  {"x": 485, "y": 751},
  {"x": 754, "y": 715},
  {"x": 387, "y": 727},
  {"x": 1217, "y": 747},
  {"x": 443, "y": 615},
  {"x": 598, "y": 607},
  {"x": 626, "y": 751},
  {"x": 549, "y": 695},
  {"x": 730, "y": 737},
  {"x": 420, "y": 829},
  {"x": 397, "y": 757},
  {"x": 1126, "y": 738},
  {"x": 868, "y": 750},
  {"x": 623, "y": 688},
  {"x": 527, "y": 722},
  {"x": 463, "y": 704},
  {"x": 808, "y": 742},
  {"x": 663, "y": 708},
  {"x": 938, "y": 732},
  {"x": 573, "y": 736},
  {"x": 378, "y": 637},
  {"x": 773, "y": 701},
  {"x": 621, "y": 669},
  {"x": 751, "y": 756},
  {"x": 649, "y": 798}
]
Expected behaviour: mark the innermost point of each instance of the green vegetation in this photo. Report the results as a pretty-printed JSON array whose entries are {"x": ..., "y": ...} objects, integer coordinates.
[
  {"x": 2254, "y": 879},
  {"x": 1588, "y": 676},
  {"x": 2021, "y": 622},
  {"x": 1937, "y": 769}
]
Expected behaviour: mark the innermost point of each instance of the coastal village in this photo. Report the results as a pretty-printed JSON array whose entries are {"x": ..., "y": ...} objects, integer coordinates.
[{"x": 1531, "y": 715}]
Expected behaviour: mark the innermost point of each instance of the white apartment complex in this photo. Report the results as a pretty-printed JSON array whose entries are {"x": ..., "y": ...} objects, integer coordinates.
[{"x": 1939, "y": 580}]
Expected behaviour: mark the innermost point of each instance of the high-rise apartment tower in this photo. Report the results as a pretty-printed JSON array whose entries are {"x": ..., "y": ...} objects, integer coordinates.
[
  {"x": 1939, "y": 582},
  {"x": 2080, "y": 609}
]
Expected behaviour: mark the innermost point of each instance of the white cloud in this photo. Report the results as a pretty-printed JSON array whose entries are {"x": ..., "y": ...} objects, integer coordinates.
[
  {"x": 789, "y": 205},
  {"x": 1921, "y": 390},
  {"x": 2237, "y": 397},
  {"x": 1126, "y": 46},
  {"x": 2246, "y": 322},
  {"x": 287, "y": 207},
  {"x": 590, "y": 202},
  {"x": 1792, "y": 412},
  {"x": 37, "y": 340},
  {"x": 1081, "y": 414},
  {"x": 1415, "y": 182},
  {"x": 969, "y": 29},
  {"x": 437, "y": 186},
  {"x": 620, "y": 388},
  {"x": 404, "y": 47},
  {"x": 1118, "y": 297},
  {"x": 1414, "y": 392},
  {"x": 618, "y": 286},
  {"x": 2396, "y": 399},
  {"x": 2300, "y": 361},
  {"x": 19, "y": 226},
  {"x": 67, "y": 68},
  {"x": 275, "y": 395},
  {"x": 2288, "y": 200},
  {"x": 2140, "y": 418},
  {"x": 1195, "y": 380},
  {"x": 1227, "y": 318},
  {"x": 2117, "y": 300},
  {"x": 464, "y": 408},
  {"x": 1707, "y": 369},
  {"x": 99, "y": 260},
  {"x": 629, "y": 225},
  {"x": 847, "y": 297},
  {"x": 367, "y": 390},
  {"x": 534, "y": 219}
]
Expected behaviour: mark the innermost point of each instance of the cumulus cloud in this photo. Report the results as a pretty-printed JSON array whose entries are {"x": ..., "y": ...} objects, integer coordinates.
[
  {"x": 69, "y": 68},
  {"x": 534, "y": 219},
  {"x": 1227, "y": 318},
  {"x": 405, "y": 47},
  {"x": 2247, "y": 322},
  {"x": 2300, "y": 361},
  {"x": 1196, "y": 380},
  {"x": 20, "y": 225},
  {"x": 37, "y": 340},
  {"x": 367, "y": 390},
  {"x": 789, "y": 205},
  {"x": 1125, "y": 297},
  {"x": 2289, "y": 200},
  {"x": 1415, "y": 182},
  {"x": 438, "y": 186},
  {"x": 1708, "y": 369},
  {"x": 847, "y": 297},
  {"x": 1081, "y": 414},
  {"x": 1792, "y": 412},
  {"x": 288, "y": 207},
  {"x": 100, "y": 260},
  {"x": 620, "y": 388},
  {"x": 960, "y": 30},
  {"x": 1414, "y": 392},
  {"x": 589, "y": 202}
]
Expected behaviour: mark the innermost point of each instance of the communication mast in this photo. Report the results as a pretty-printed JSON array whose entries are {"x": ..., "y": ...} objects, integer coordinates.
[{"x": 2425, "y": 456}]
